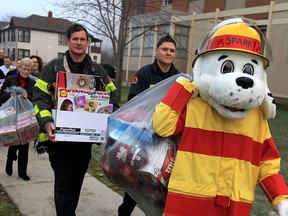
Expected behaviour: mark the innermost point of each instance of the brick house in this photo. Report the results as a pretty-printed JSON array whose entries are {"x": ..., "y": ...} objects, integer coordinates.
[{"x": 190, "y": 20}]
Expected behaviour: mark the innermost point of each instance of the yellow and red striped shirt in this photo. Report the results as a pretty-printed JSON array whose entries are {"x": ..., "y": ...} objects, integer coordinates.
[{"x": 219, "y": 160}]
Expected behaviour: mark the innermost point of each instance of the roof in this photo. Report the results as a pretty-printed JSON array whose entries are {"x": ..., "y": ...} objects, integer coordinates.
[
  {"x": 42, "y": 23},
  {"x": 3, "y": 24}
]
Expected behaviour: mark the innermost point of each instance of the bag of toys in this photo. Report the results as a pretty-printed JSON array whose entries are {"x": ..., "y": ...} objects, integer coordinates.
[
  {"x": 18, "y": 124},
  {"x": 135, "y": 158}
]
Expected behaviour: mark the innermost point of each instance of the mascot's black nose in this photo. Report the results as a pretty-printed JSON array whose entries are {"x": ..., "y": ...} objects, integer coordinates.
[{"x": 245, "y": 82}]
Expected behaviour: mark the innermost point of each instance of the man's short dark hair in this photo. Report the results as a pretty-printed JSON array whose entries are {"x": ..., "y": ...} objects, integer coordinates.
[
  {"x": 75, "y": 28},
  {"x": 166, "y": 38}
]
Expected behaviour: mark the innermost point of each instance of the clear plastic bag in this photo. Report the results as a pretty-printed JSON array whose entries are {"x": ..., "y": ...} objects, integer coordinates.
[
  {"x": 18, "y": 124},
  {"x": 135, "y": 158}
]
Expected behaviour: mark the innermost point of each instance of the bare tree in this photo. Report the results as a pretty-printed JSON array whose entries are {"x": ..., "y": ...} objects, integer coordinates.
[{"x": 106, "y": 18}]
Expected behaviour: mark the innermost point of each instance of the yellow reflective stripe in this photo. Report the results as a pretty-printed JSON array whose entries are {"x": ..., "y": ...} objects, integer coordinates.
[
  {"x": 110, "y": 87},
  {"x": 43, "y": 137},
  {"x": 107, "y": 89},
  {"x": 36, "y": 109},
  {"x": 43, "y": 86},
  {"x": 45, "y": 113}
]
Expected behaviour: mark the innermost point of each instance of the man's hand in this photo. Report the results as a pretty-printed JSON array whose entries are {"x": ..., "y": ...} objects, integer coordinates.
[
  {"x": 281, "y": 209},
  {"x": 50, "y": 128}
]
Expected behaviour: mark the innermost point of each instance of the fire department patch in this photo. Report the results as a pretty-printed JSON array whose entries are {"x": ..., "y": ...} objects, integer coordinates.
[{"x": 135, "y": 80}]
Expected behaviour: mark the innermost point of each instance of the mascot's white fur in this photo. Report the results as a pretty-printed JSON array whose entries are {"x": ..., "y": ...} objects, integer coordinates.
[
  {"x": 233, "y": 83},
  {"x": 229, "y": 77}
]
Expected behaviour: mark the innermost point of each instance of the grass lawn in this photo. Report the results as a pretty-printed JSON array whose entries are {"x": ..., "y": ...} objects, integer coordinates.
[{"x": 279, "y": 131}]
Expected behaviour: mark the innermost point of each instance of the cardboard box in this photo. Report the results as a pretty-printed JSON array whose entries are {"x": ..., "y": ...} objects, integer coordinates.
[{"x": 81, "y": 110}]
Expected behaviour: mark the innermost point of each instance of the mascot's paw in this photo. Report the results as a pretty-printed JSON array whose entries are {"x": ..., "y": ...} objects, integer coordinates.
[
  {"x": 269, "y": 106},
  {"x": 281, "y": 209}
]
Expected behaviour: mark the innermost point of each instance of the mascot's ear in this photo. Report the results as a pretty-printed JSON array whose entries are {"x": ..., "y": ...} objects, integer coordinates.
[
  {"x": 268, "y": 104},
  {"x": 196, "y": 74}
]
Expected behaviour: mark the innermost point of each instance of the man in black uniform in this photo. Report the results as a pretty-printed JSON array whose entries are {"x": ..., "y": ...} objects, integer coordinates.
[
  {"x": 69, "y": 160},
  {"x": 146, "y": 77}
]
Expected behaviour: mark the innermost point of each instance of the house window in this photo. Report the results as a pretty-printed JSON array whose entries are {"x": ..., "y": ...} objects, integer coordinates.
[
  {"x": 135, "y": 44},
  {"x": 62, "y": 40},
  {"x": 12, "y": 54},
  {"x": 163, "y": 31},
  {"x": 95, "y": 58},
  {"x": 22, "y": 53},
  {"x": 24, "y": 36},
  {"x": 181, "y": 37},
  {"x": 148, "y": 43},
  {"x": 8, "y": 35},
  {"x": 13, "y": 35},
  {"x": 140, "y": 6},
  {"x": 167, "y": 2}
]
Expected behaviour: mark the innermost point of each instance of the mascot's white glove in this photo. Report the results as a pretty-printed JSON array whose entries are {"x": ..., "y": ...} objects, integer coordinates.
[
  {"x": 184, "y": 76},
  {"x": 281, "y": 209}
]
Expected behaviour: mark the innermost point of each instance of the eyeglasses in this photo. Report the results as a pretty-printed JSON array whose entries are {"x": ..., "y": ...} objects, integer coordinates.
[
  {"x": 35, "y": 62},
  {"x": 26, "y": 69}
]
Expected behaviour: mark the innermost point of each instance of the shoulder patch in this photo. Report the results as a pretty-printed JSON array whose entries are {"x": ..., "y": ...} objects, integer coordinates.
[{"x": 135, "y": 80}]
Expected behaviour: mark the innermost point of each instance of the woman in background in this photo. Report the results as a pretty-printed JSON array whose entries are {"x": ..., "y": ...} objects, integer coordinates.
[{"x": 37, "y": 65}]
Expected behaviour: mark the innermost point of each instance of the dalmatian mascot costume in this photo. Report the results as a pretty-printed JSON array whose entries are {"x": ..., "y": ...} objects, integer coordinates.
[{"x": 226, "y": 147}]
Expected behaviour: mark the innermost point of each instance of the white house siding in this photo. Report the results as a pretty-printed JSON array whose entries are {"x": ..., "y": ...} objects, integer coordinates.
[{"x": 44, "y": 44}]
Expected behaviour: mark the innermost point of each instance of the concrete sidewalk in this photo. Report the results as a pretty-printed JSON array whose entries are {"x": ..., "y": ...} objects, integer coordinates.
[{"x": 35, "y": 197}]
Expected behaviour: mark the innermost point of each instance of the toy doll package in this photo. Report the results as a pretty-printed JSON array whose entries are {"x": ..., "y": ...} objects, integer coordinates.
[
  {"x": 81, "y": 109},
  {"x": 135, "y": 158}
]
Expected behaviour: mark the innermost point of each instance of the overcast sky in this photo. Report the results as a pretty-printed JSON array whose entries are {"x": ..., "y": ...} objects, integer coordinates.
[{"x": 24, "y": 8}]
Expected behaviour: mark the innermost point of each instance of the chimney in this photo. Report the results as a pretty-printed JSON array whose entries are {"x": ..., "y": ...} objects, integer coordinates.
[{"x": 49, "y": 24}]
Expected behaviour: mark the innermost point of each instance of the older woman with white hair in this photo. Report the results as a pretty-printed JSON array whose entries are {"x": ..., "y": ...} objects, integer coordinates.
[{"x": 22, "y": 80}]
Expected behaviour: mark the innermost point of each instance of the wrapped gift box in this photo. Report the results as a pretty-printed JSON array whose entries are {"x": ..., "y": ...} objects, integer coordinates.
[
  {"x": 27, "y": 127},
  {"x": 9, "y": 136},
  {"x": 87, "y": 120},
  {"x": 8, "y": 133}
]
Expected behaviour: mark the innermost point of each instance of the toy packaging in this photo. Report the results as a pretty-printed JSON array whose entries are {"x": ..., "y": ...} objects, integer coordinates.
[
  {"x": 135, "y": 158},
  {"x": 8, "y": 134},
  {"x": 81, "y": 109},
  {"x": 18, "y": 122}
]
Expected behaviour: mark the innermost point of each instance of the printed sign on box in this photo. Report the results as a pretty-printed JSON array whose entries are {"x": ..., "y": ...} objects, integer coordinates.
[{"x": 81, "y": 109}]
